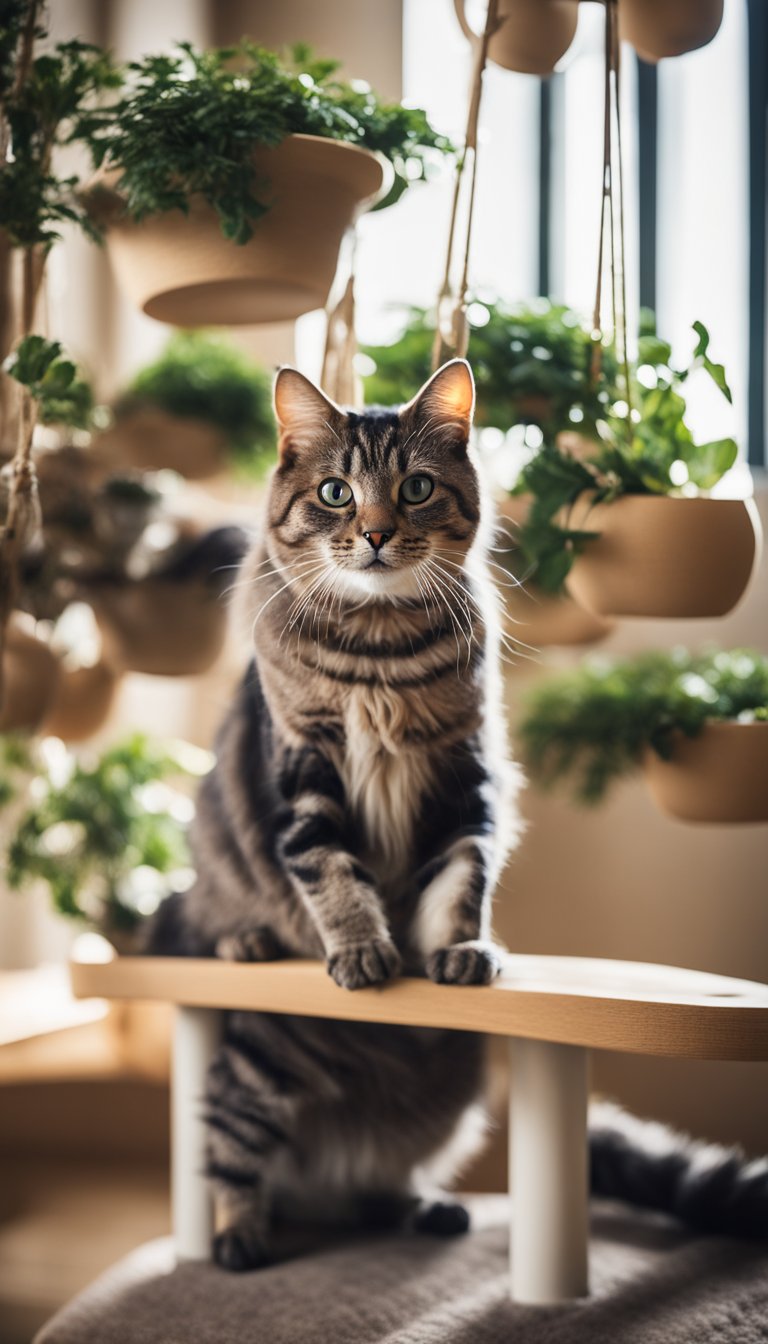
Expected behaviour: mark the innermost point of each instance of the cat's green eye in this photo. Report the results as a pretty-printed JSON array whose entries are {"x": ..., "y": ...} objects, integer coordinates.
[
  {"x": 335, "y": 492},
  {"x": 415, "y": 489}
]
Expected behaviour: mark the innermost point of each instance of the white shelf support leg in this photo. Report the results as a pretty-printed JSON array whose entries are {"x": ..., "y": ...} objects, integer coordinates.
[
  {"x": 196, "y": 1036},
  {"x": 548, "y": 1172}
]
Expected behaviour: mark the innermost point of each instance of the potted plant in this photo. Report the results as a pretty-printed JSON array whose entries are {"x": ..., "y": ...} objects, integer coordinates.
[
  {"x": 695, "y": 724},
  {"x": 31, "y": 676},
  {"x": 81, "y": 703},
  {"x": 200, "y": 407},
  {"x": 631, "y": 524},
  {"x": 230, "y": 177},
  {"x": 107, "y": 836},
  {"x": 172, "y": 621}
]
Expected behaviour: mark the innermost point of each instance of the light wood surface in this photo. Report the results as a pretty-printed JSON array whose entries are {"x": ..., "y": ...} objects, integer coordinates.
[{"x": 610, "y": 1005}]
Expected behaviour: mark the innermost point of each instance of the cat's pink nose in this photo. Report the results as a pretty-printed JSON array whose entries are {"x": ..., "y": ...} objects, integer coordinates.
[{"x": 377, "y": 539}]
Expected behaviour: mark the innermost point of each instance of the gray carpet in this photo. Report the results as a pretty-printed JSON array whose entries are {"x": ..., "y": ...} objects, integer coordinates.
[{"x": 650, "y": 1285}]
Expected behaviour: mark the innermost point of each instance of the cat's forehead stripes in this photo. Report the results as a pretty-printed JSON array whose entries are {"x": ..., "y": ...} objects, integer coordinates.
[{"x": 369, "y": 440}]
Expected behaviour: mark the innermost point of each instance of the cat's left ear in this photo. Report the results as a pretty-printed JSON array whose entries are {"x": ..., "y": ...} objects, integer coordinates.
[
  {"x": 447, "y": 401},
  {"x": 302, "y": 411}
]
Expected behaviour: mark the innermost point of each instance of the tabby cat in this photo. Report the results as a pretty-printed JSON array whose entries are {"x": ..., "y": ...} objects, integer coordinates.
[{"x": 360, "y": 811}]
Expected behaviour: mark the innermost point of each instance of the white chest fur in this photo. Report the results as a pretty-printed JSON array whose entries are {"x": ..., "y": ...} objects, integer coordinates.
[{"x": 384, "y": 778}]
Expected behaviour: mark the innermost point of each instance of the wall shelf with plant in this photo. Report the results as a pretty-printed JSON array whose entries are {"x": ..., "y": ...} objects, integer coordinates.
[
  {"x": 228, "y": 179},
  {"x": 695, "y": 724}
]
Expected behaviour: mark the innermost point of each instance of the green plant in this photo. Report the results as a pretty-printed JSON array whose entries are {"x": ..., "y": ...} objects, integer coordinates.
[
  {"x": 188, "y": 122},
  {"x": 62, "y": 395},
  {"x": 588, "y": 727},
  {"x": 653, "y": 453},
  {"x": 531, "y": 365},
  {"x": 204, "y": 377},
  {"x": 46, "y": 101},
  {"x": 108, "y": 840}
]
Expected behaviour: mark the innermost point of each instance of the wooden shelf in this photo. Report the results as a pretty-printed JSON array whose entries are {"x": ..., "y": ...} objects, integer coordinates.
[{"x": 609, "y": 1005}]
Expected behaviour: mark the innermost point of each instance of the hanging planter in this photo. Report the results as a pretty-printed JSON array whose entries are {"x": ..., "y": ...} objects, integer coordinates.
[
  {"x": 147, "y": 438},
  {"x": 82, "y": 702},
  {"x": 532, "y": 615},
  {"x": 719, "y": 776},
  {"x": 695, "y": 725},
  {"x": 659, "y": 28},
  {"x": 201, "y": 407},
  {"x": 660, "y": 556},
  {"x": 31, "y": 673},
  {"x": 229, "y": 178},
  {"x": 179, "y": 268},
  {"x": 160, "y": 627},
  {"x": 531, "y": 35}
]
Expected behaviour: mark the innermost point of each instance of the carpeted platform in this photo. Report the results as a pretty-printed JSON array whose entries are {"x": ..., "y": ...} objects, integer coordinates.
[{"x": 651, "y": 1284}]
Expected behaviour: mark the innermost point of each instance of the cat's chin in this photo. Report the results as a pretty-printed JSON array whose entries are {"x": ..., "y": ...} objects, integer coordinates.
[{"x": 377, "y": 583}]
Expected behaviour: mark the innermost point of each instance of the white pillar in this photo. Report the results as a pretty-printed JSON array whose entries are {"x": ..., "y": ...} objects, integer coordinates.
[
  {"x": 548, "y": 1172},
  {"x": 196, "y": 1036}
]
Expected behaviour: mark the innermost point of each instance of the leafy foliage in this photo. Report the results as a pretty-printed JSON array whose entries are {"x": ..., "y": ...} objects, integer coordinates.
[
  {"x": 652, "y": 454},
  {"x": 56, "y": 102},
  {"x": 63, "y": 396},
  {"x": 188, "y": 123},
  {"x": 531, "y": 365},
  {"x": 207, "y": 378},
  {"x": 105, "y": 842},
  {"x": 588, "y": 727}
]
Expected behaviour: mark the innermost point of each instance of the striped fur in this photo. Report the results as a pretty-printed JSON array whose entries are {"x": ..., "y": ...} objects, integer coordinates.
[{"x": 361, "y": 809}]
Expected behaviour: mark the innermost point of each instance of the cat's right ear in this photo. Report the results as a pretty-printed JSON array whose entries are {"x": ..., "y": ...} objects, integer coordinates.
[{"x": 302, "y": 411}]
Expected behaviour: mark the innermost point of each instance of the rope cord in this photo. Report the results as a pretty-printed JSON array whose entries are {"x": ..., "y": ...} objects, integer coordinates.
[{"x": 452, "y": 334}]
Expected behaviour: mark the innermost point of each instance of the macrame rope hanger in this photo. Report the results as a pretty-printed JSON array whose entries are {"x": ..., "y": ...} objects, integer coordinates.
[
  {"x": 612, "y": 217},
  {"x": 452, "y": 331},
  {"x": 339, "y": 378}
]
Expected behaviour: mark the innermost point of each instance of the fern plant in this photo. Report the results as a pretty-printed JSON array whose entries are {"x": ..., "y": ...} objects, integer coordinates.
[
  {"x": 187, "y": 124},
  {"x": 586, "y": 728}
]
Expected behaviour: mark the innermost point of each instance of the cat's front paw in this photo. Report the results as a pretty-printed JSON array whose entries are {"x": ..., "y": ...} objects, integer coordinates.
[
  {"x": 363, "y": 964},
  {"x": 257, "y": 944},
  {"x": 475, "y": 963},
  {"x": 238, "y": 1249}
]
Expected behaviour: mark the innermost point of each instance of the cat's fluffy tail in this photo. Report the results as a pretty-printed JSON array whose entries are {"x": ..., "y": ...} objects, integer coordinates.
[{"x": 706, "y": 1186}]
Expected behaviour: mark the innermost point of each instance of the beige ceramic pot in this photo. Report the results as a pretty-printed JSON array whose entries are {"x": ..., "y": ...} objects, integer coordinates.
[
  {"x": 660, "y": 556},
  {"x": 719, "y": 776},
  {"x": 149, "y": 439},
  {"x": 30, "y": 677},
  {"x": 533, "y": 616},
  {"x": 658, "y": 28},
  {"x": 81, "y": 705},
  {"x": 159, "y": 627},
  {"x": 181, "y": 269},
  {"x": 532, "y": 34}
]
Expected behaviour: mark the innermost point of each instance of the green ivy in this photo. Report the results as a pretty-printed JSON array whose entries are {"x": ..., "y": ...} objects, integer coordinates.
[
  {"x": 207, "y": 378},
  {"x": 188, "y": 122},
  {"x": 589, "y": 727}
]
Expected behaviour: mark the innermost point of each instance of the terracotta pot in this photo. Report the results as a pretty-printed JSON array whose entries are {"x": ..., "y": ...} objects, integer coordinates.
[
  {"x": 662, "y": 556},
  {"x": 31, "y": 673},
  {"x": 533, "y": 616},
  {"x": 658, "y": 28},
  {"x": 180, "y": 268},
  {"x": 719, "y": 776},
  {"x": 532, "y": 36},
  {"x": 149, "y": 439},
  {"x": 159, "y": 627},
  {"x": 81, "y": 705}
]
